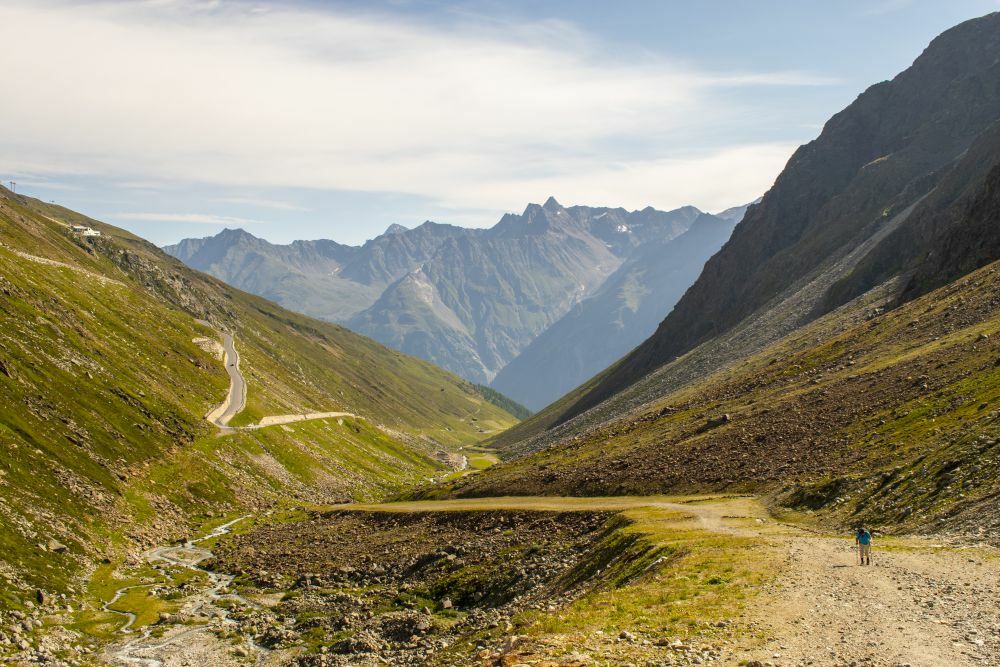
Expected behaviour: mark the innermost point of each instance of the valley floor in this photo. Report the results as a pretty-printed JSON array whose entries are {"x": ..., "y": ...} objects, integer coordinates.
[{"x": 921, "y": 603}]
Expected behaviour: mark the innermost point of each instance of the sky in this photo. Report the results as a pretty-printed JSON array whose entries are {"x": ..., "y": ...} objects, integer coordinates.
[{"x": 335, "y": 119}]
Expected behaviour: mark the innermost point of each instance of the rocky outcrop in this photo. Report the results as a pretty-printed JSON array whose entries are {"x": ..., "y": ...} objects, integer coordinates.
[{"x": 430, "y": 581}]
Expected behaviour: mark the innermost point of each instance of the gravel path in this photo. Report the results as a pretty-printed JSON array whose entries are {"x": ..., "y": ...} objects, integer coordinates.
[
  {"x": 920, "y": 604},
  {"x": 917, "y": 605}
]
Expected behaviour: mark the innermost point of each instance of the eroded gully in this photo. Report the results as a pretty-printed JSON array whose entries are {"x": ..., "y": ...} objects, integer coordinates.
[{"x": 150, "y": 651}]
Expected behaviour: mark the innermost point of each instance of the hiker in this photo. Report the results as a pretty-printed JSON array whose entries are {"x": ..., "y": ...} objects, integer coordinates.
[{"x": 863, "y": 538}]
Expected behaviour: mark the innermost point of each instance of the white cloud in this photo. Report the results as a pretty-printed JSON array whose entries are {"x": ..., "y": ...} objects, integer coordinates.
[
  {"x": 197, "y": 218},
  {"x": 263, "y": 203},
  {"x": 714, "y": 182},
  {"x": 289, "y": 96}
]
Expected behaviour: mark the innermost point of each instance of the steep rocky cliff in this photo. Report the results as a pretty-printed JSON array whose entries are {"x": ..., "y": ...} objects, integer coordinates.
[{"x": 875, "y": 158}]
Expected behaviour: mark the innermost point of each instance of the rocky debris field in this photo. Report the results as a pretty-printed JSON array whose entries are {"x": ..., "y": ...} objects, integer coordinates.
[
  {"x": 19, "y": 631},
  {"x": 356, "y": 588}
]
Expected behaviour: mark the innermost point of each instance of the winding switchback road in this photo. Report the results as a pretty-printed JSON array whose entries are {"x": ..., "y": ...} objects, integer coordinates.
[{"x": 237, "y": 397}]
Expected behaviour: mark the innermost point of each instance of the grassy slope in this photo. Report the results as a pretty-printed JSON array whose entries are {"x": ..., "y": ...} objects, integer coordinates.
[
  {"x": 892, "y": 418},
  {"x": 102, "y": 393}
]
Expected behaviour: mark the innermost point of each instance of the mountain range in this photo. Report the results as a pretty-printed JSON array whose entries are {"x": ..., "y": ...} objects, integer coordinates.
[
  {"x": 473, "y": 300},
  {"x": 619, "y": 315},
  {"x": 826, "y": 359}
]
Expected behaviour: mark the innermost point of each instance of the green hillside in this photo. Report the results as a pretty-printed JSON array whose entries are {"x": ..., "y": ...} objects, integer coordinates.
[{"x": 103, "y": 390}]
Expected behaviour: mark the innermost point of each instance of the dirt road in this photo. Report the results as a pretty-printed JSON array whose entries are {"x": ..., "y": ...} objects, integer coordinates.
[{"x": 919, "y": 604}]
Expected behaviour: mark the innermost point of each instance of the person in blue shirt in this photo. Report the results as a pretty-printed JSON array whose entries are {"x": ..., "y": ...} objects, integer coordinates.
[{"x": 863, "y": 538}]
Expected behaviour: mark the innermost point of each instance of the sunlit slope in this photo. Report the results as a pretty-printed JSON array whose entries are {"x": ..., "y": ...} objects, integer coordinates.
[
  {"x": 890, "y": 416},
  {"x": 103, "y": 392},
  {"x": 294, "y": 363}
]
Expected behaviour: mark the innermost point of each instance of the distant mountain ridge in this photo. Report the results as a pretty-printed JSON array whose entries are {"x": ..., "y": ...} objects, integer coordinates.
[
  {"x": 481, "y": 299},
  {"x": 321, "y": 278},
  {"x": 619, "y": 315},
  {"x": 469, "y": 300}
]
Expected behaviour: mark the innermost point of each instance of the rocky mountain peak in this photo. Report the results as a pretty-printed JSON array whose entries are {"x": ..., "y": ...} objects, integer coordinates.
[{"x": 235, "y": 235}]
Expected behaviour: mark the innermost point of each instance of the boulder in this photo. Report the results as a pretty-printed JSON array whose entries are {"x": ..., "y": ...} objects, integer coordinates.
[{"x": 56, "y": 546}]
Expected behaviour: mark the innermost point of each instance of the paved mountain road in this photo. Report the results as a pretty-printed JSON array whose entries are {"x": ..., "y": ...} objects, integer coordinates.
[{"x": 236, "y": 398}]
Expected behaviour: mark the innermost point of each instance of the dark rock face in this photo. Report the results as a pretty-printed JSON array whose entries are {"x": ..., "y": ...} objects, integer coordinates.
[
  {"x": 951, "y": 232},
  {"x": 971, "y": 242},
  {"x": 882, "y": 153}
]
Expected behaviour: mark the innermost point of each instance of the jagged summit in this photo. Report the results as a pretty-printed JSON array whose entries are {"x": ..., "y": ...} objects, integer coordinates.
[
  {"x": 235, "y": 233},
  {"x": 395, "y": 228}
]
